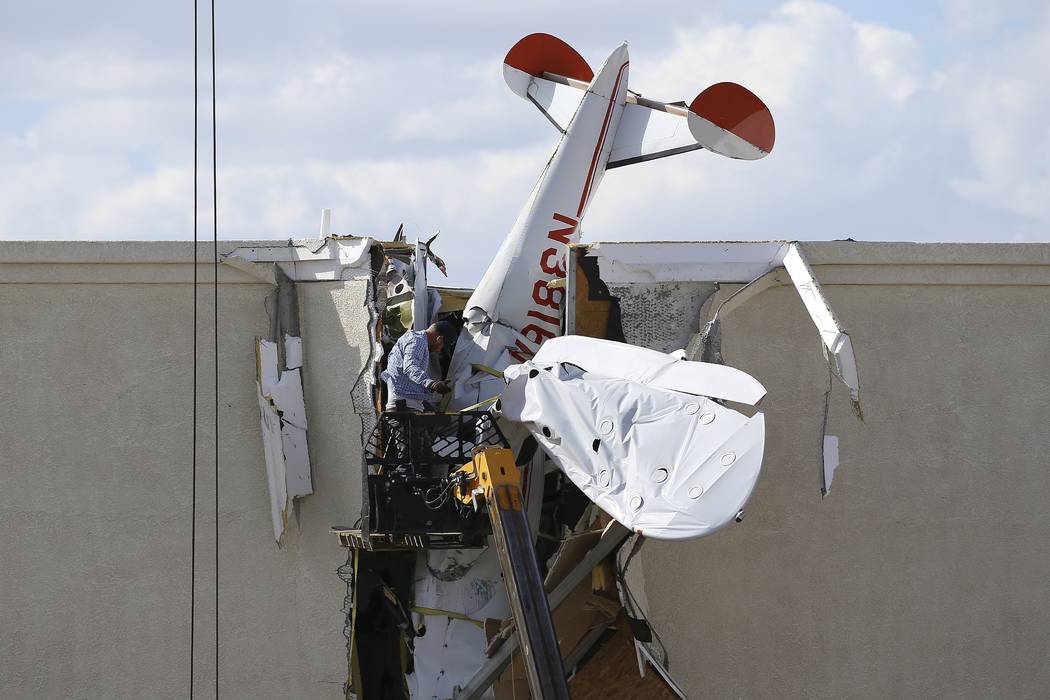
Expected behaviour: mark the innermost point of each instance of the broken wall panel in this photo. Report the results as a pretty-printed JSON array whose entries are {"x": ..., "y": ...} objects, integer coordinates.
[
  {"x": 276, "y": 474},
  {"x": 832, "y": 333},
  {"x": 293, "y": 352},
  {"x": 328, "y": 259},
  {"x": 281, "y": 395},
  {"x": 661, "y": 316},
  {"x": 283, "y": 409}
]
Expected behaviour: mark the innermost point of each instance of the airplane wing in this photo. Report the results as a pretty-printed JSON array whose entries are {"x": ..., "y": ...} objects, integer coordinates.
[{"x": 550, "y": 74}]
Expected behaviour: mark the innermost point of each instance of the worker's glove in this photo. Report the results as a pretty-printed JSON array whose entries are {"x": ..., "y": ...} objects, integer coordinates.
[{"x": 441, "y": 387}]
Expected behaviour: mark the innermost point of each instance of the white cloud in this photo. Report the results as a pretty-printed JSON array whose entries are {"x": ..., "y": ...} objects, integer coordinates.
[
  {"x": 157, "y": 205},
  {"x": 875, "y": 139},
  {"x": 44, "y": 197},
  {"x": 891, "y": 57},
  {"x": 838, "y": 91},
  {"x": 116, "y": 126},
  {"x": 473, "y": 199},
  {"x": 84, "y": 73},
  {"x": 325, "y": 85},
  {"x": 1002, "y": 111},
  {"x": 975, "y": 17},
  {"x": 871, "y": 142}
]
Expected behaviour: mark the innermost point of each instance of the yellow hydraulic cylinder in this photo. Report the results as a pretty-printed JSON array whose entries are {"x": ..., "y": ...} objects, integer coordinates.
[{"x": 487, "y": 475}]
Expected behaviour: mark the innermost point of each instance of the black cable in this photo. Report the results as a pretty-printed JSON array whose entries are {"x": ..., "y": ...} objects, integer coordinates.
[
  {"x": 193, "y": 517},
  {"x": 215, "y": 267},
  {"x": 442, "y": 498},
  {"x": 636, "y": 610}
]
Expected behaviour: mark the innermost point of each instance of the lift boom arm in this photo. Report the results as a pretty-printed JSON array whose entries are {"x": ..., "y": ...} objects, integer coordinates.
[{"x": 493, "y": 479}]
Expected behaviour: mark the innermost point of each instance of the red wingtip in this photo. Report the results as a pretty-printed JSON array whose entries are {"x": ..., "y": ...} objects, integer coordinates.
[
  {"x": 537, "y": 53},
  {"x": 736, "y": 109}
]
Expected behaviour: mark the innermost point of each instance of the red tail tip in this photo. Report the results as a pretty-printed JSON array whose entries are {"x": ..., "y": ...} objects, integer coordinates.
[
  {"x": 739, "y": 111},
  {"x": 537, "y": 53}
]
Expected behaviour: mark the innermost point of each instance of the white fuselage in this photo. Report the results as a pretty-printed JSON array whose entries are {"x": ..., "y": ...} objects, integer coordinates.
[{"x": 513, "y": 310}]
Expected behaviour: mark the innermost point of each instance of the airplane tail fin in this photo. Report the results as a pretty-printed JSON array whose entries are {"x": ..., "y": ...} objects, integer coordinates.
[
  {"x": 546, "y": 71},
  {"x": 726, "y": 118}
]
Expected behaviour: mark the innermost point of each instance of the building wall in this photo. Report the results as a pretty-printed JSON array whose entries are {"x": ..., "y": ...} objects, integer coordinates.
[
  {"x": 924, "y": 572},
  {"x": 96, "y": 480}
]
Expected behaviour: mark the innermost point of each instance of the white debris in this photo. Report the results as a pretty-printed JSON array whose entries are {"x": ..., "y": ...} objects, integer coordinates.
[
  {"x": 832, "y": 333},
  {"x": 283, "y": 418},
  {"x": 831, "y": 460},
  {"x": 293, "y": 352},
  {"x": 336, "y": 258}
]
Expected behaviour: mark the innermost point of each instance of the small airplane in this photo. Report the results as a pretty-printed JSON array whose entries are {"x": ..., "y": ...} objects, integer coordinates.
[
  {"x": 516, "y": 309},
  {"x": 604, "y": 125}
]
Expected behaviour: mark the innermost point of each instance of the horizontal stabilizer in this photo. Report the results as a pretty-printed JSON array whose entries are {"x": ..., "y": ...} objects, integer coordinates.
[
  {"x": 650, "y": 130},
  {"x": 729, "y": 119},
  {"x": 546, "y": 71},
  {"x": 725, "y": 118},
  {"x": 537, "y": 54}
]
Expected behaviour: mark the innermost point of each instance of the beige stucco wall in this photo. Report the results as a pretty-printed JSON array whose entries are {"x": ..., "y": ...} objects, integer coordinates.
[
  {"x": 95, "y": 480},
  {"x": 925, "y": 572}
]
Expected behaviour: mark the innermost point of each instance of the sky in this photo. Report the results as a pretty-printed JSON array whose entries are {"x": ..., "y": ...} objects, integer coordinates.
[{"x": 918, "y": 121}]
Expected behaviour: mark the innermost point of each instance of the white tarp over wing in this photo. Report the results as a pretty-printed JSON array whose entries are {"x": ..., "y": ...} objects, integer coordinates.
[
  {"x": 659, "y": 370},
  {"x": 667, "y": 464}
]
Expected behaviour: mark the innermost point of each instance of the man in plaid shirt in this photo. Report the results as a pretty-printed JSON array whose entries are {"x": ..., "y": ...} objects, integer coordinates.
[{"x": 406, "y": 373}]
